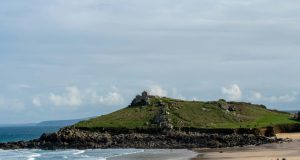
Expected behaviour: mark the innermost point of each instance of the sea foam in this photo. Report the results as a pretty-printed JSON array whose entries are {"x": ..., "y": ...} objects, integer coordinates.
[
  {"x": 69, "y": 154},
  {"x": 33, "y": 156}
]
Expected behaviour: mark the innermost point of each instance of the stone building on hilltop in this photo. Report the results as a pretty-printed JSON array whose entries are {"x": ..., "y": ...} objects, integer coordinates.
[
  {"x": 141, "y": 100},
  {"x": 297, "y": 116}
]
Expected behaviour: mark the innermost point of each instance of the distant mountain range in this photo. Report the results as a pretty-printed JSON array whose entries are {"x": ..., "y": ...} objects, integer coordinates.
[
  {"x": 292, "y": 111},
  {"x": 57, "y": 123},
  {"x": 18, "y": 125},
  {"x": 61, "y": 123}
]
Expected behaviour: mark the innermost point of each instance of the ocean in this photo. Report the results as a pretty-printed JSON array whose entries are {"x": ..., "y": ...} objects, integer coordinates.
[
  {"x": 12, "y": 134},
  {"x": 9, "y": 134},
  {"x": 97, "y": 154}
]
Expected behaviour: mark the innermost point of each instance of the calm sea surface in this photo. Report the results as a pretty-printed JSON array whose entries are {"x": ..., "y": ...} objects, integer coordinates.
[{"x": 9, "y": 134}]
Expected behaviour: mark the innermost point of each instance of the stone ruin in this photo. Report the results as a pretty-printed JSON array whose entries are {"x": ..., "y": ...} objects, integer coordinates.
[
  {"x": 224, "y": 105},
  {"x": 141, "y": 100},
  {"x": 296, "y": 116}
]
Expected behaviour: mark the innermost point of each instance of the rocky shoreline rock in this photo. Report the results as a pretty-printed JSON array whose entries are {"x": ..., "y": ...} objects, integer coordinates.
[{"x": 72, "y": 138}]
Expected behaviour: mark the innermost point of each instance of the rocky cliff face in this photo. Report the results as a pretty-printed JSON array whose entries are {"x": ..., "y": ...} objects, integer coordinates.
[{"x": 71, "y": 138}]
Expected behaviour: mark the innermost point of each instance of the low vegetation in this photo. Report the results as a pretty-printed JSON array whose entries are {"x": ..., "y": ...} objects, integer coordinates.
[{"x": 197, "y": 114}]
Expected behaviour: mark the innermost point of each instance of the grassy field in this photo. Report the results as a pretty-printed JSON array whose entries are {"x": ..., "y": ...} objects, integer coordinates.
[
  {"x": 127, "y": 117},
  {"x": 192, "y": 114}
]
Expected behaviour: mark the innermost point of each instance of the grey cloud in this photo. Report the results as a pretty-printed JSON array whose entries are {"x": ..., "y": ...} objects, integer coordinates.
[{"x": 194, "y": 46}]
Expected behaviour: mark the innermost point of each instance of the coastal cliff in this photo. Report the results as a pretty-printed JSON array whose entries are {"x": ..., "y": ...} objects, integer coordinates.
[{"x": 160, "y": 122}]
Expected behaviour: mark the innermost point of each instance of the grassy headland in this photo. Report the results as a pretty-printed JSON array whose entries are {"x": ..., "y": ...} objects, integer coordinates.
[{"x": 195, "y": 114}]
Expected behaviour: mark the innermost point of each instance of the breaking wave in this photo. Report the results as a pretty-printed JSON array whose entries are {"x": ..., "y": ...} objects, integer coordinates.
[{"x": 97, "y": 154}]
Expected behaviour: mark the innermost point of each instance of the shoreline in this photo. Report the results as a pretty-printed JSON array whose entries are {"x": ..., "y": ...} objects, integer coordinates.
[
  {"x": 160, "y": 147},
  {"x": 288, "y": 150},
  {"x": 292, "y": 136},
  {"x": 159, "y": 154}
]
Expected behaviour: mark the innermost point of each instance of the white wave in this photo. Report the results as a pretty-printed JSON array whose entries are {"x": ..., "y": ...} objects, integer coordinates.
[
  {"x": 84, "y": 156},
  {"x": 79, "y": 152},
  {"x": 134, "y": 152},
  {"x": 126, "y": 153},
  {"x": 101, "y": 154},
  {"x": 33, "y": 156}
]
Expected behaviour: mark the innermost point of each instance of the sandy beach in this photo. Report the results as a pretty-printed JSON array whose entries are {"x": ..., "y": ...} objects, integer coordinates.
[
  {"x": 277, "y": 151},
  {"x": 294, "y": 136},
  {"x": 288, "y": 151}
]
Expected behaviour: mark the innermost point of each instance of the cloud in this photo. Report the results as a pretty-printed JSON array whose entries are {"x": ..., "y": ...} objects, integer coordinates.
[
  {"x": 233, "y": 92},
  {"x": 176, "y": 94},
  {"x": 36, "y": 101},
  {"x": 71, "y": 98},
  {"x": 14, "y": 105},
  {"x": 111, "y": 98},
  {"x": 157, "y": 91},
  {"x": 75, "y": 97},
  {"x": 17, "y": 104},
  {"x": 257, "y": 96},
  {"x": 1, "y": 101},
  {"x": 158, "y": 40},
  {"x": 23, "y": 86}
]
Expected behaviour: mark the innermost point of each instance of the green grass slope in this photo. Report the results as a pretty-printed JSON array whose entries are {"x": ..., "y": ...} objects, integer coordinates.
[{"x": 191, "y": 114}]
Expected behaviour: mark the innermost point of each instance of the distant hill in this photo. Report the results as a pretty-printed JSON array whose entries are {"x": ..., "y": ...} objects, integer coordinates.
[
  {"x": 61, "y": 123},
  {"x": 151, "y": 112},
  {"x": 18, "y": 125},
  {"x": 292, "y": 111},
  {"x": 57, "y": 123}
]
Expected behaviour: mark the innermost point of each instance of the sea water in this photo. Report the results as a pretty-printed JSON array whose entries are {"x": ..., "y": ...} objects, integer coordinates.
[
  {"x": 24, "y": 133},
  {"x": 33, "y": 154},
  {"x": 12, "y": 134}
]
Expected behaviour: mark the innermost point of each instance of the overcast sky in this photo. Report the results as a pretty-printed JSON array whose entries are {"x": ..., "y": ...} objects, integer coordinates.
[{"x": 64, "y": 59}]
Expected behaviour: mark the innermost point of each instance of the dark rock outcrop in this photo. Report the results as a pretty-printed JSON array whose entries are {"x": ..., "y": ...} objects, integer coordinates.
[
  {"x": 72, "y": 138},
  {"x": 141, "y": 100},
  {"x": 296, "y": 116},
  {"x": 161, "y": 119}
]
